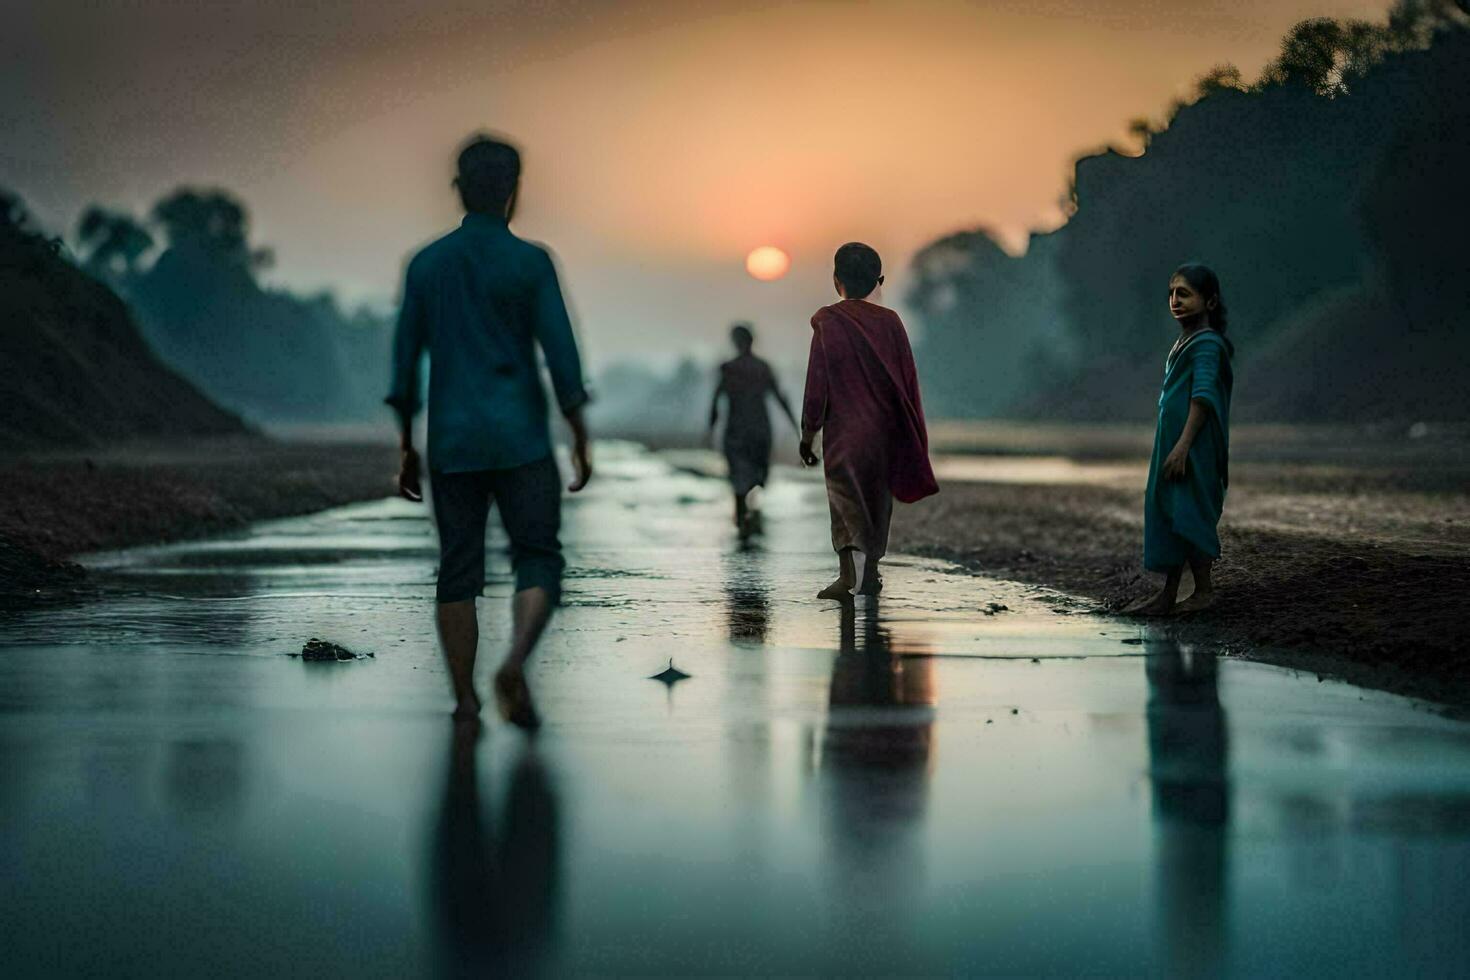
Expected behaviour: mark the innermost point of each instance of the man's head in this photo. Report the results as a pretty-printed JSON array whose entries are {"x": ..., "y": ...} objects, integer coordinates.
[
  {"x": 742, "y": 337},
  {"x": 487, "y": 175},
  {"x": 856, "y": 270}
]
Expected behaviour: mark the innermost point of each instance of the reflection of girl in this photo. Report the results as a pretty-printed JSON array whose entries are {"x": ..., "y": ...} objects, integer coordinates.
[{"x": 1189, "y": 471}]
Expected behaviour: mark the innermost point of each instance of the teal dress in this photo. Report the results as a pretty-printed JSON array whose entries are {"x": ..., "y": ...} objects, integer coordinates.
[{"x": 1180, "y": 517}]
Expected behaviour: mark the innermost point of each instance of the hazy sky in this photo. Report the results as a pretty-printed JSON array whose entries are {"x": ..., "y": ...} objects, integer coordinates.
[{"x": 662, "y": 140}]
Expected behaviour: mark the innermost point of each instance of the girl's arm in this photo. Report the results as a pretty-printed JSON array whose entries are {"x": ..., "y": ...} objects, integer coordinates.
[{"x": 1176, "y": 464}]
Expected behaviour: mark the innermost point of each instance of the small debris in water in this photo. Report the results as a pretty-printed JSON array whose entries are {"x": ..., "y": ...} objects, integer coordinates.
[
  {"x": 992, "y": 608},
  {"x": 1036, "y": 660},
  {"x": 1015, "y": 711},
  {"x": 319, "y": 649},
  {"x": 1134, "y": 641},
  {"x": 670, "y": 676}
]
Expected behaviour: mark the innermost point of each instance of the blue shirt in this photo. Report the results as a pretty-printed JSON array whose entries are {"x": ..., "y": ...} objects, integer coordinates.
[{"x": 479, "y": 300}]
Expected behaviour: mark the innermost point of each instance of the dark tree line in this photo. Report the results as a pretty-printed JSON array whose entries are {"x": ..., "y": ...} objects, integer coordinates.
[
  {"x": 76, "y": 369},
  {"x": 272, "y": 354},
  {"x": 1329, "y": 197}
]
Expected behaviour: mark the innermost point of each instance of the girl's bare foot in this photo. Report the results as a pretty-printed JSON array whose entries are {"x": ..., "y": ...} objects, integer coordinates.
[
  {"x": 1197, "y": 602},
  {"x": 840, "y": 589},
  {"x": 513, "y": 699},
  {"x": 1157, "y": 605}
]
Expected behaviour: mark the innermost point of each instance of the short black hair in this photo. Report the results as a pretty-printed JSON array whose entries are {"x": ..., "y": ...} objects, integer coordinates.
[
  {"x": 858, "y": 267},
  {"x": 742, "y": 336},
  {"x": 487, "y": 173}
]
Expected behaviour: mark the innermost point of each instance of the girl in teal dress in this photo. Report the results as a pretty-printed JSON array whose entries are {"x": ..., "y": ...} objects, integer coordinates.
[{"x": 1190, "y": 468}]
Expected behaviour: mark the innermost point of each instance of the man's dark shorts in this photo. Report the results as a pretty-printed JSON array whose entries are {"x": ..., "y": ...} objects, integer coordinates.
[{"x": 529, "y": 500}]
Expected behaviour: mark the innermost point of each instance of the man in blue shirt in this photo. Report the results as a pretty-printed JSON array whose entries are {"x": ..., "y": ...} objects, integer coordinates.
[{"x": 479, "y": 301}]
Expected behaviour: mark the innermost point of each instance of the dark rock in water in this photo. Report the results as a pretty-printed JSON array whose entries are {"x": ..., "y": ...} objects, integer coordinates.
[
  {"x": 671, "y": 676},
  {"x": 317, "y": 649}
]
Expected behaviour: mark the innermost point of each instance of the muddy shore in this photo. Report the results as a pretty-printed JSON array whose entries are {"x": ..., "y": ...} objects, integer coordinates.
[
  {"x": 59, "y": 505},
  {"x": 1357, "y": 573},
  {"x": 1353, "y": 566}
]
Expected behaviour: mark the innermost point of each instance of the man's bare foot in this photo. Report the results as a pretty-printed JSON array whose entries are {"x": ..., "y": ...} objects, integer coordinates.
[
  {"x": 1158, "y": 605},
  {"x": 1197, "y": 602},
  {"x": 840, "y": 589},
  {"x": 513, "y": 698},
  {"x": 871, "y": 585},
  {"x": 468, "y": 706}
]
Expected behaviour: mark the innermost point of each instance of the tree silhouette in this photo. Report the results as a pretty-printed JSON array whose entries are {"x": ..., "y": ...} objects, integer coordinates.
[
  {"x": 212, "y": 223},
  {"x": 114, "y": 243}
]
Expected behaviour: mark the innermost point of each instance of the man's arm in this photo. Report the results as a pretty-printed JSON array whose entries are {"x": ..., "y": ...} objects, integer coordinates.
[
  {"x": 714, "y": 403},
  {"x": 403, "y": 391},
  {"x": 554, "y": 334}
]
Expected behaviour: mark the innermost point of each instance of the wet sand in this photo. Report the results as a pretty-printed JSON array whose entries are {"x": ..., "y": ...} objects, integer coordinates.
[
  {"x": 1346, "y": 553},
  {"x": 969, "y": 776},
  {"x": 1352, "y": 560},
  {"x": 60, "y": 505}
]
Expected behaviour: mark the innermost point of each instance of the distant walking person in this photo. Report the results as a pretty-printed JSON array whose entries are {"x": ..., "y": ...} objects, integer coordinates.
[
  {"x": 745, "y": 382},
  {"x": 862, "y": 395},
  {"x": 1190, "y": 468},
  {"x": 480, "y": 300}
]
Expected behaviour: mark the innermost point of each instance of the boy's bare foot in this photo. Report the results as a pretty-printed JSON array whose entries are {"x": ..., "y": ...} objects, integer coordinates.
[
  {"x": 840, "y": 589},
  {"x": 1197, "y": 602},
  {"x": 513, "y": 698},
  {"x": 1157, "y": 605}
]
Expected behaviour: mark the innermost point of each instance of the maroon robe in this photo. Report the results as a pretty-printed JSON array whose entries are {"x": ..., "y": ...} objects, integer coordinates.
[{"x": 862, "y": 393}]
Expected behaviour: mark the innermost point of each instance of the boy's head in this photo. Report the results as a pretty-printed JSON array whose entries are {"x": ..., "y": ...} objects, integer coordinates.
[
  {"x": 487, "y": 175},
  {"x": 856, "y": 270}
]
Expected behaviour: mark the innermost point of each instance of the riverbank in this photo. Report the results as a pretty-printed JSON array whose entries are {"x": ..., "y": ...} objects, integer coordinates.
[
  {"x": 1354, "y": 572},
  {"x": 59, "y": 505}
]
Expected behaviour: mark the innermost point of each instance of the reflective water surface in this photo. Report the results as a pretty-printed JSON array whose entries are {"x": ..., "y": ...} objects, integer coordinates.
[{"x": 923, "y": 784}]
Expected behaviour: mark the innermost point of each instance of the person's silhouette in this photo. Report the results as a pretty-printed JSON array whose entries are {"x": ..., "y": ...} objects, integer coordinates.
[
  {"x": 480, "y": 301},
  {"x": 745, "y": 382}
]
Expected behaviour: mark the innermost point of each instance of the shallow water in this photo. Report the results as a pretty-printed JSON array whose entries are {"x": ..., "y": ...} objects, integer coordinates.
[{"x": 907, "y": 786}]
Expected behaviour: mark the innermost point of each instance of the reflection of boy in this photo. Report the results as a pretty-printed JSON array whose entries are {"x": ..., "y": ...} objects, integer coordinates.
[
  {"x": 862, "y": 394},
  {"x": 480, "y": 300}
]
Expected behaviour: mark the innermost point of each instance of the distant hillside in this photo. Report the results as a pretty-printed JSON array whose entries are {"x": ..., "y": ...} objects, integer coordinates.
[
  {"x": 1329, "y": 196},
  {"x": 74, "y": 370}
]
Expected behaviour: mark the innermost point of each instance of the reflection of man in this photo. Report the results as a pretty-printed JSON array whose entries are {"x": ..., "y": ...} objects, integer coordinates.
[
  {"x": 480, "y": 300},
  {"x": 1187, "y": 756},
  {"x": 495, "y": 892}
]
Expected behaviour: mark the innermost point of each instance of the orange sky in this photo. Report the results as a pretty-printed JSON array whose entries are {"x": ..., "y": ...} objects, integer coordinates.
[{"x": 662, "y": 140}]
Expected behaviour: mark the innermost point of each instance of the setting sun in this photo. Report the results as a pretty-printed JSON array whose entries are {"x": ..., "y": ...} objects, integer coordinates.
[{"x": 767, "y": 263}]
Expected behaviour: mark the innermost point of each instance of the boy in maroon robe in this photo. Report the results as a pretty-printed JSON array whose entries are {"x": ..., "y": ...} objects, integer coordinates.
[{"x": 862, "y": 394}]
